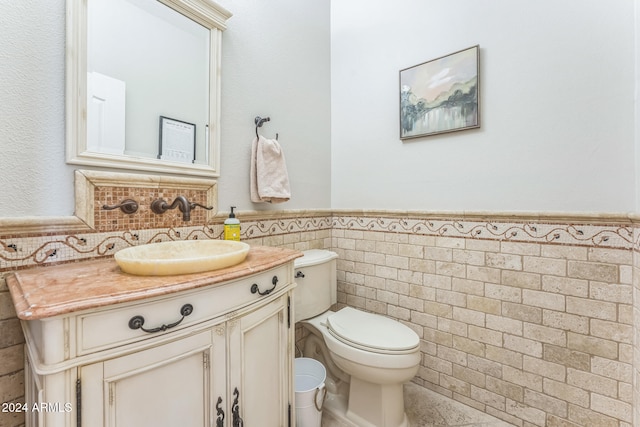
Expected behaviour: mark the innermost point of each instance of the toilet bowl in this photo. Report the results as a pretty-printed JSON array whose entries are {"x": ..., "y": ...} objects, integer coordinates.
[{"x": 374, "y": 354}]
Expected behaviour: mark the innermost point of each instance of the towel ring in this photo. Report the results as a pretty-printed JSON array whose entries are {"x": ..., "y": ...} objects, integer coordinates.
[{"x": 259, "y": 121}]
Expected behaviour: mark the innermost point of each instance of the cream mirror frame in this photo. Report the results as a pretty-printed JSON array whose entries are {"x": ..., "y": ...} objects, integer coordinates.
[{"x": 205, "y": 13}]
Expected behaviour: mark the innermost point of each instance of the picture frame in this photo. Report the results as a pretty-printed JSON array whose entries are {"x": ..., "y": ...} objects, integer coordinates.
[
  {"x": 441, "y": 95},
  {"x": 177, "y": 140}
]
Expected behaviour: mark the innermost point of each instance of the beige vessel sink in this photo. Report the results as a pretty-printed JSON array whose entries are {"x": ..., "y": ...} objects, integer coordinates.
[{"x": 181, "y": 257}]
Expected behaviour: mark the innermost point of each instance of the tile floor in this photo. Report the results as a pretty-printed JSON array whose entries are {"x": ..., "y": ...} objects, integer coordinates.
[{"x": 426, "y": 408}]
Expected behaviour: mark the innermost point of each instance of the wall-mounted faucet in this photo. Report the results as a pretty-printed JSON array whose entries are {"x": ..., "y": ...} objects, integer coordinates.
[{"x": 159, "y": 206}]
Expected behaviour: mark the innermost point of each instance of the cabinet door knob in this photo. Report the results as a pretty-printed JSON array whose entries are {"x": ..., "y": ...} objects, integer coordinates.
[
  {"x": 136, "y": 322},
  {"x": 255, "y": 288}
]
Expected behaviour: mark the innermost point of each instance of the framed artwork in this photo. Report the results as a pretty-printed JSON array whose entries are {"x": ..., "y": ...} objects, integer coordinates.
[
  {"x": 177, "y": 140},
  {"x": 441, "y": 95}
]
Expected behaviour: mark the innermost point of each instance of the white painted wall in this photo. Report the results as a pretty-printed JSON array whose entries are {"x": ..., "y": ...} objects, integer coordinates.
[
  {"x": 34, "y": 179},
  {"x": 637, "y": 104},
  {"x": 557, "y": 100},
  {"x": 558, "y": 85},
  {"x": 276, "y": 63}
]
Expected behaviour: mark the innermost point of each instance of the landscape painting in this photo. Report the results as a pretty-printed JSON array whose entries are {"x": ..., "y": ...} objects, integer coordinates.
[{"x": 441, "y": 95}]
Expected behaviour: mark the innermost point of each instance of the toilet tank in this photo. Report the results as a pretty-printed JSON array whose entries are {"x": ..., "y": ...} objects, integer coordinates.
[{"x": 315, "y": 276}]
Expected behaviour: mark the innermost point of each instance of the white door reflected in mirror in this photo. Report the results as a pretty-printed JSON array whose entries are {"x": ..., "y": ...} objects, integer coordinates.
[{"x": 105, "y": 114}]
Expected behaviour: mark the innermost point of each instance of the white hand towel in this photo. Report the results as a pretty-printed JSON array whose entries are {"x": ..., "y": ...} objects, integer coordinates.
[{"x": 269, "y": 177}]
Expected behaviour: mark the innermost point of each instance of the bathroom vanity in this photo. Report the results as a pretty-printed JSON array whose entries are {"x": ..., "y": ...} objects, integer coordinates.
[{"x": 105, "y": 348}]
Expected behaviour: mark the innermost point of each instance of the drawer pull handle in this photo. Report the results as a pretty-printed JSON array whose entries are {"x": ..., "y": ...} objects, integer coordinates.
[
  {"x": 255, "y": 288},
  {"x": 136, "y": 322}
]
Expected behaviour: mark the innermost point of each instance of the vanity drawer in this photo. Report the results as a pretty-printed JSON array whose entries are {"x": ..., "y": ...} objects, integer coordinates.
[{"x": 126, "y": 323}]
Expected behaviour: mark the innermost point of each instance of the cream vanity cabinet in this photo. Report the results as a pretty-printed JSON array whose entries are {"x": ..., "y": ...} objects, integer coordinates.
[
  {"x": 215, "y": 355},
  {"x": 184, "y": 382}
]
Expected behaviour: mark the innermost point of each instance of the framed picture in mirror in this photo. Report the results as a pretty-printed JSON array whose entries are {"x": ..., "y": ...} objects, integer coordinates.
[{"x": 177, "y": 140}]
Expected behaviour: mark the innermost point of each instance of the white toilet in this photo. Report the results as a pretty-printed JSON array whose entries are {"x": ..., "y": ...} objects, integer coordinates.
[{"x": 368, "y": 356}]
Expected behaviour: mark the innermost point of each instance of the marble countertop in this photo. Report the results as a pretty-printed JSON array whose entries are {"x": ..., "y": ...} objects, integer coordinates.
[{"x": 44, "y": 292}]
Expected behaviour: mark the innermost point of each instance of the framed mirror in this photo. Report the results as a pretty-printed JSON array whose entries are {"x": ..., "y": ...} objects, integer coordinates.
[{"x": 143, "y": 85}]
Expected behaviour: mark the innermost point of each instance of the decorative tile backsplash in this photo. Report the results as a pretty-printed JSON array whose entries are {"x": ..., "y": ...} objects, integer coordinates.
[
  {"x": 144, "y": 218},
  {"x": 115, "y": 231},
  {"x": 597, "y": 235},
  {"x": 95, "y": 192},
  {"x": 23, "y": 252}
]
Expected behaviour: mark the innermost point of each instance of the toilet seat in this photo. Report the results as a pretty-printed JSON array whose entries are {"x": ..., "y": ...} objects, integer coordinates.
[{"x": 372, "y": 332}]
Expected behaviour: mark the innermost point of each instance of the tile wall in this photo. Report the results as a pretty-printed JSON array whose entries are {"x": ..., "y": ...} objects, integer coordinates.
[
  {"x": 530, "y": 319},
  {"x": 636, "y": 331},
  {"x": 531, "y": 322}
]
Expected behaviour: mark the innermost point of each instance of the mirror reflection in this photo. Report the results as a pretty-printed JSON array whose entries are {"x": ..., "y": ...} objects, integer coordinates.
[
  {"x": 144, "y": 62},
  {"x": 143, "y": 84}
]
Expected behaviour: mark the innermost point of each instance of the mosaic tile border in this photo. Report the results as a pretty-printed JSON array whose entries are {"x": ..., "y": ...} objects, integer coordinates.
[
  {"x": 25, "y": 252},
  {"x": 35, "y": 251},
  {"x": 285, "y": 225},
  {"x": 19, "y": 252},
  {"x": 597, "y": 235}
]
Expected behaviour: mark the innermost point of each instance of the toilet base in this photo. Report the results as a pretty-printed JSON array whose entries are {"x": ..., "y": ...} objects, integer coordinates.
[
  {"x": 336, "y": 409},
  {"x": 376, "y": 404}
]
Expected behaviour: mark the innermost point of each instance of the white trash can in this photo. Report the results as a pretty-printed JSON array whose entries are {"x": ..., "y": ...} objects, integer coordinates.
[{"x": 310, "y": 391}]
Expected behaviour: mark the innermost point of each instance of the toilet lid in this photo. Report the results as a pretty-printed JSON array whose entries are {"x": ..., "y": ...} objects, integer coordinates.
[{"x": 371, "y": 331}]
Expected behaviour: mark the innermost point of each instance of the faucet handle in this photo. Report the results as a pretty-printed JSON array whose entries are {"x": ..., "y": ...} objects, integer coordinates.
[
  {"x": 159, "y": 206},
  {"x": 127, "y": 206},
  {"x": 194, "y": 205}
]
